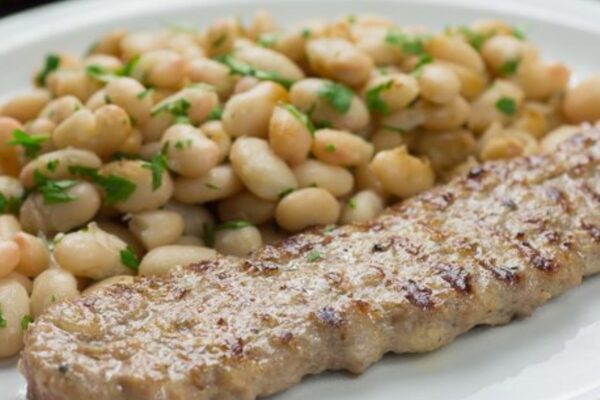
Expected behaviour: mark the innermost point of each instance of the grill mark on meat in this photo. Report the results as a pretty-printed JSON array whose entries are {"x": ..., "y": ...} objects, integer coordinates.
[
  {"x": 509, "y": 203},
  {"x": 476, "y": 173},
  {"x": 260, "y": 267},
  {"x": 456, "y": 276},
  {"x": 535, "y": 257},
  {"x": 247, "y": 357},
  {"x": 501, "y": 273},
  {"x": 441, "y": 201},
  {"x": 560, "y": 197},
  {"x": 591, "y": 192},
  {"x": 418, "y": 295},
  {"x": 592, "y": 229}
]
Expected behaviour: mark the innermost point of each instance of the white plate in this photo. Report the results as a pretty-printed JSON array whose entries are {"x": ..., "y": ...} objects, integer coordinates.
[{"x": 553, "y": 355}]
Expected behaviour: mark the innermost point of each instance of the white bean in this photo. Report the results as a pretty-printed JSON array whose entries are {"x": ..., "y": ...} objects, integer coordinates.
[
  {"x": 22, "y": 280},
  {"x": 50, "y": 287},
  {"x": 189, "y": 152},
  {"x": 363, "y": 206},
  {"x": 14, "y": 305},
  {"x": 238, "y": 242},
  {"x": 26, "y": 106},
  {"x": 156, "y": 228},
  {"x": 341, "y": 148},
  {"x": 9, "y": 226},
  {"x": 91, "y": 253},
  {"x": 34, "y": 255},
  {"x": 336, "y": 180},
  {"x": 262, "y": 172},
  {"x": 9, "y": 257},
  {"x": 219, "y": 183},
  {"x": 289, "y": 136},
  {"x": 307, "y": 207},
  {"x": 160, "y": 260},
  {"x": 195, "y": 218},
  {"x": 246, "y": 207}
]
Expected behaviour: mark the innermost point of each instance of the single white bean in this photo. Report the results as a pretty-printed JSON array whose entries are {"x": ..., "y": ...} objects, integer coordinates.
[
  {"x": 50, "y": 287},
  {"x": 336, "y": 180},
  {"x": 307, "y": 207},
  {"x": 156, "y": 228},
  {"x": 363, "y": 206},
  {"x": 34, "y": 254},
  {"x": 160, "y": 260},
  {"x": 14, "y": 305},
  {"x": 246, "y": 207},
  {"x": 218, "y": 183},
  {"x": 238, "y": 242}
]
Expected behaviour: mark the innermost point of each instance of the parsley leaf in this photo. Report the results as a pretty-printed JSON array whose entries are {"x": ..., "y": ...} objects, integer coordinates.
[
  {"x": 116, "y": 188},
  {"x": 25, "y": 321},
  {"x": 211, "y": 186},
  {"x": 178, "y": 108},
  {"x": 330, "y": 148},
  {"x": 339, "y": 96},
  {"x": 54, "y": 192},
  {"x": 519, "y": 33},
  {"x": 475, "y": 39},
  {"x": 300, "y": 116},
  {"x": 158, "y": 165},
  {"x": 3, "y": 322},
  {"x": 52, "y": 165},
  {"x": 208, "y": 234},
  {"x": 127, "y": 69},
  {"x": 52, "y": 64},
  {"x": 510, "y": 67},
  {"x": 352, "y": 203},
  {"x": 129, "y": 259},
  {"x": 241, "y": 68},
  {"x": 506, "y": 105},
  {"x": 31, "y": 143},
  {"x": 313, "y": 256},
  {"x": 215, "y": 114},
  {"x": 410, "y": 44},
  {"x": 99, "y": 73},
  {"x": 285, "y": 192},
  {"x": 268, "y": 39},
  {"x": 233, "y": 225},
  {"x": 141, "y": 95},
  {"x": 374, "y": 100},
  {"x": 10, "y": 205}
]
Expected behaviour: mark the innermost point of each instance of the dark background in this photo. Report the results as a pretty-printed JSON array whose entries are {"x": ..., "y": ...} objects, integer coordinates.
[{"x": 12, "y": 6}]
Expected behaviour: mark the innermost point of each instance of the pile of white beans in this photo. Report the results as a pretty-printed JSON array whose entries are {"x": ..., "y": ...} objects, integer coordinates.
[{"x": 162, "y": 148}]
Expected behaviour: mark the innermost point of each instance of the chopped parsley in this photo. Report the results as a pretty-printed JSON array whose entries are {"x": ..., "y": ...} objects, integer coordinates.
[
  {"x": 285, "y": 192},
  {"x": 178, "y": 108},
  {"x": 54, "y": 192},
  {"x": 219, "y": 40},
  {"x": 268, "y": 39},
  {"x": 241, "y": 68},
  {"x": 233, "y": 225},
  {"x": 313, "y": 256},
  {"x": 127, "y": 69},
  {"x": 101, "y": 74},
  {"x": 410, "y": 44},
  {"x": 52, "y": 165},
  {"x": 510, "y": 67},
  {"x": 10, "y": 204},
  {"x": 306, "y": 33},
  {"x": 32, "y": 144},
  {"x": 3, "y": 322},
  {"x": 300, "y": 116},
  {"x": 330, "y": 148},
  {"x": 52, "y": 64},
  {"x": 422, "y": 61},
  {"x": 339, "y": 96},
  {"x": 208, "y": 234},
  {"x": 116, "y": 188},
  {"x": 129, "y": 259},
  {"x": 215, "y": 114},
  {"x": 506, "y": 105},
  {"x": 141, "y": 95},
  {"x": 211, "y": 186},
  {"x": 25, "y": 321},
  {"x": 183, "y": 144},
  {"x": 519, "y": 33},
  {"x": 158, "y": 165},
  {"x": 374, "y": 100},
  {"x": 475, "y": 39},
  {"x": 352, "y": 203}
]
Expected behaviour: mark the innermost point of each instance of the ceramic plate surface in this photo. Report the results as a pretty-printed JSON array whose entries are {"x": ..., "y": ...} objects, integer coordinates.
[{"x": 553, "y": 355}]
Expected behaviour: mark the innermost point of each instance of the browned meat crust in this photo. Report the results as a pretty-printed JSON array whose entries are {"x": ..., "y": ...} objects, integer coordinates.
[{"x": 480, "y": 250}]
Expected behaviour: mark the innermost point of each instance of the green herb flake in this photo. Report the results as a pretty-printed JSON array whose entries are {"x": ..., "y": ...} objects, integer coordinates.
[
  {"x": 129, "y": 259},
  {"x": 475, "y": 39},
  {"x": 25, "y": 321},
  {"x": 52, "y": 63},
  {"x": 337, "y": 95},
  {"x": 183, "y": 144},
  {"x": 233, "y": 225},
  {"x": 268, "y": 40},
  {"x": 313, "y": 256},
  {"x": 54, "y": 192},
  {"x": 352, "y": 203},
  {"x": 410, "y": 44},
  {"x": 510, "y": 67},
  {"x": 300, "y": 116},
  {"x": 323, "y": 124},
  {"x": 215, "y": 114},
  {"x": 211, "y": 186},
  {"x": 3, "y": 322},
  {"x": 208, "y": 234},
  {"x": 238, "y": 67},
  {"x": 422, "y": 61},
  {"x": 32, "y": 144},
  {"x": 507, "y": 105},
  {"x": 98, "y": 73},
  {"x": 178, "y": 108},
  {"x": 306, "y": 33},
  {"x": 142, "y": 95},
  {"x": 374, "y": 100},
  {"x": 330, "y": 148},
  {"x": 127, "y": 69},
  {"x": 52, "y": 165},
  {"x": 116, "y": 188},
  {"x": 329, "y": 228},
  {"x": 285, "y": 192},
  {"x": 519, "y": 33},
  {"x": 9, "y": 205},
  {"x": 158, "y": 165},
  {"x": 219, "y": 41}
]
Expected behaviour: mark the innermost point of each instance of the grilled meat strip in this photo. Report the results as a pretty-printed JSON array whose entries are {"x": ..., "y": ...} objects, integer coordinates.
[{"x": 481, "y": 250}]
